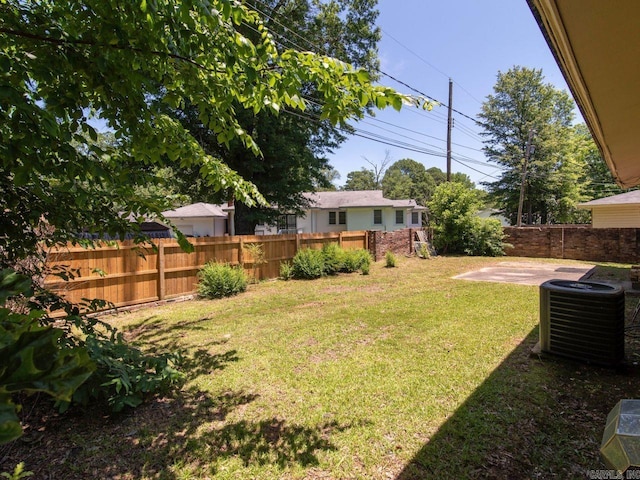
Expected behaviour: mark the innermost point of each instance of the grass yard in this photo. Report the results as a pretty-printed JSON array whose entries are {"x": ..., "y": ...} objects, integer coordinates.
[{"x": 402, "y": 374}]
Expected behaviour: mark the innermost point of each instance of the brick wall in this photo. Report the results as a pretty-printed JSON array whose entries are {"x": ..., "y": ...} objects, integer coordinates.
[
  {"x": 398, "y": 241},
  {"x": 575, "y": 242}
]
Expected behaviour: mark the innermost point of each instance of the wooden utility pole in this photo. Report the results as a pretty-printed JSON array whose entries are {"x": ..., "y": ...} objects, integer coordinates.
[
  {"x": 527, "y": 154},
  {"x": 449, "y": 127}
]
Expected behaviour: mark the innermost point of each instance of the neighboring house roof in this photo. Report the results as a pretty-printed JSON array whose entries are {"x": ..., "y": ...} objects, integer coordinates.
[
  {"x": 356, "y": 199},
  {"x": 628, "y": 198},
  {"x": 197, "y": 210},
  {"x": 595, "y": 43}
]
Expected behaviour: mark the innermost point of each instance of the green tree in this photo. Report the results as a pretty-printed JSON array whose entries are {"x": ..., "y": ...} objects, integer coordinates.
[
  {"x": 597, "y": 176},
  {"x": 64, "y": 62},
  {"x": 523, "y": 103},
  {"x": 457, "y": 228},
  {"x": 462, "y": 178},
  {"x": 407, "y": 178},
  {"x": 293, "y": 145},
  {"x": 452, "y": 209},
  {"x": 438, "y": 175},
  {"x": 362, "y": 179}
]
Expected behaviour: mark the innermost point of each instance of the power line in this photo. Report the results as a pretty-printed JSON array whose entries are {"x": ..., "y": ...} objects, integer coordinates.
[
  {"x": 414, "y": 53},
  {"x": 398, "y": 144},
  {"x": 419, "y": 57},
  {"x": 378, "y": 138},
  {"x": 415, "y": 90}
]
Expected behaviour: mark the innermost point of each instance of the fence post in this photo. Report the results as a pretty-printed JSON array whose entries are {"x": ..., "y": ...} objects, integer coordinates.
[
  {"x": 297, "y": 242},
  {"x": 340, "y": 239},
  {"x": 161, "y": 280},
  {"x": 241, "y": 252},
  {"x": 410, "y": 241}
]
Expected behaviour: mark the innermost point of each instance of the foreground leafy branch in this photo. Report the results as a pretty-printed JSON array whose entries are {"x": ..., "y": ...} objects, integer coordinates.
[{"x": 33, "y": 359}]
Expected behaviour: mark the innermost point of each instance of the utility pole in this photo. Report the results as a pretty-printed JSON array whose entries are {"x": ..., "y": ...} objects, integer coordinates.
[
  {"x": 527, "y": 154},
  {"x": 449, "y": 127}
]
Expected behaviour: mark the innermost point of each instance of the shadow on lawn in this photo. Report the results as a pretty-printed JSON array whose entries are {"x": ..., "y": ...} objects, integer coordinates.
[
  {"x": 531, "y": 418},
  {"x": 184, "y": 435},
  {"x": 191, "y": 431},
  {"x": 153, "y": 330}
]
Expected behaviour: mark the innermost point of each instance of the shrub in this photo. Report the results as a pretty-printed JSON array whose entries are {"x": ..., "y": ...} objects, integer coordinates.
[
  {"x": 286, "y": 270},
  {"x": 390, "y": 259},
  {"x": 485, "y": 238},
  {"x": 333, "y": 256},
  {"x": 452, "y": 212},
  {"x": 217, "y": 280},
  {"x": 124, "y": 374},
  {"x": 355, "y": 260},
  {"x": 308, "y": 264},
  {"x": 365, "y": 268}
]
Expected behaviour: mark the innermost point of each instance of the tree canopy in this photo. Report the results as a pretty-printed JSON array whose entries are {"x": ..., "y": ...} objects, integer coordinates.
[
  {"x": 523, "y": 105},
  {"x": 408, "y": 178},
  {"x": 293, "y": 144},
  {"x": 363, "y": 179},
  {"x": 65, "y": 62}
]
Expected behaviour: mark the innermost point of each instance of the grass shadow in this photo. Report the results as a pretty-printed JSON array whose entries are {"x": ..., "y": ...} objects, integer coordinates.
[
  {"x": 533, "y": 417},
  {"x": 153, "y": 330},
  {"x": 190, "y": 430},
  {"x": 165, "y": 437}
]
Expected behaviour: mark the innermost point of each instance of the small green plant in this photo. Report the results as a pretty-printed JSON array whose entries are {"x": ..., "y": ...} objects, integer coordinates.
[
  {"x": 308, "y": 264},
  {"x": 217, "y": 280},
  {"x": 286, "y": 270},
  {"x": 18, "y": 473},
  {"x": 365, "y": 268},
  {"x": 390, "y": 259},
  {"x": 256, "y": 250},
  {"x": 424, "y": 251},
  {"x": 333, "y": 255}
]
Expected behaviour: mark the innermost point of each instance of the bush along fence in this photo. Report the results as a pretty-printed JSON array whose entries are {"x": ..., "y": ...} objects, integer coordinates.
[{"x": 126, "y": 274}]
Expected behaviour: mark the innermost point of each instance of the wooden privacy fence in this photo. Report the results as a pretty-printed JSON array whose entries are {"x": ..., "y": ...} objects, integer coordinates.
[{"x": 125, "y": 274}]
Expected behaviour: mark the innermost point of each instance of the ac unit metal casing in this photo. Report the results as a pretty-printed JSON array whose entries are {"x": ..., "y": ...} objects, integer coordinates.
[{"x": 583, "y": 321}]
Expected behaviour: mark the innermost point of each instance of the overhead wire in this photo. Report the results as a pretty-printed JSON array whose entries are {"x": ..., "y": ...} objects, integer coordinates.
[
  {"x": 440, "y": 117},
  {"x": 423, "y": 60},
  {"x": 309, "y": 42}
]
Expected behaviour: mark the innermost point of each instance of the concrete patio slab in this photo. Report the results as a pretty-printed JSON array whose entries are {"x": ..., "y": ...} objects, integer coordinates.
[{"x": 528, "y": 273}]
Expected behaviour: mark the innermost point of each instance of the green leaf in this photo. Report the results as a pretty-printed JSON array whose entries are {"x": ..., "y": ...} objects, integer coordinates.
[{"x": 10, "y": 427}]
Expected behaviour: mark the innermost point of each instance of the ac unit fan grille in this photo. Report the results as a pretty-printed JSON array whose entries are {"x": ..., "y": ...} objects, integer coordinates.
[{"x": 586, "y": 327}]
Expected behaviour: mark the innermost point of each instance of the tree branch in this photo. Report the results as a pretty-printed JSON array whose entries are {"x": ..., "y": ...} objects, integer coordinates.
[{"x": 89, "y": 43}]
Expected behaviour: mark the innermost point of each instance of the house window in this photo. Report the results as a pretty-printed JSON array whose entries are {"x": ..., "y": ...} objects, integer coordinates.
[
  {"x": 342, "y": 218},
  {"x": 332, "y": 218},
  {"x": 377, "y": 217},
  {"x": 415, "y": 218},
  {"x": 399, "y": 217},
  {"x": 287, "y": 223}
]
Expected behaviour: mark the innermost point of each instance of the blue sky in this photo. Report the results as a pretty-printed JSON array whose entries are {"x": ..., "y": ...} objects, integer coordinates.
[{"x": 424, "y": 43}]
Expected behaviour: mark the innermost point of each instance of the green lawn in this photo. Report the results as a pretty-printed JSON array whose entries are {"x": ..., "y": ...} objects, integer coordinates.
[{"x": 405, "y": 373}]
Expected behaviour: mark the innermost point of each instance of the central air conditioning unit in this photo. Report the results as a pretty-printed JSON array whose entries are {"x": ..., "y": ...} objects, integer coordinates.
[{"x": 583, "y": 321}]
